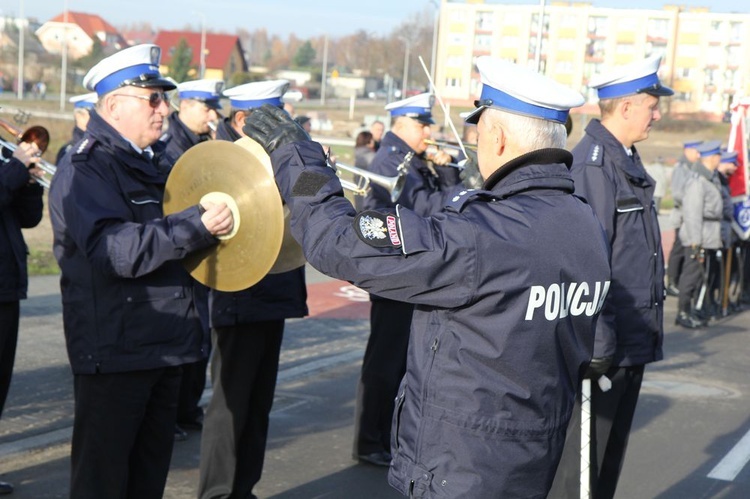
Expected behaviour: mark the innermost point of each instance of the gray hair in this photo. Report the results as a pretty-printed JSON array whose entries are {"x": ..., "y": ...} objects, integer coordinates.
[{"x": 529, "y": 134}]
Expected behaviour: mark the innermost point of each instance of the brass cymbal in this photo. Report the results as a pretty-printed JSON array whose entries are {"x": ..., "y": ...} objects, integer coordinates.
[
  {"x": 243, "y": 259},
  {"x": 291, "y": 255}
]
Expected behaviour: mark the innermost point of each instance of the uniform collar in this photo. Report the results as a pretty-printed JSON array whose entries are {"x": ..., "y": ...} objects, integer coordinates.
[
  {"x": 225, "y": 131},
  {"x": 630, "y": 164},
  {"x": 545, "y": 168}
]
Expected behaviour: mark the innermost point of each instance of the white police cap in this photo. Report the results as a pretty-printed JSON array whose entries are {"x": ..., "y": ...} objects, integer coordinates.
[
  {"x": 519, "y": 90},
  {"x": 634, "y": 78},
  {"x": 728, "y": 157},
  {"x": 137, "y": 66},
  {"x": 206, "y": 90},
  {"x": 84, "y": 101},
  {"x": 257, "y": 93},
  {"x": 418, "y": 107}
]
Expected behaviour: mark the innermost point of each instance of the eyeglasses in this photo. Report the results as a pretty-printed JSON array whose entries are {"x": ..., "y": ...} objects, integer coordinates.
[{"x": 154, "y": 99}]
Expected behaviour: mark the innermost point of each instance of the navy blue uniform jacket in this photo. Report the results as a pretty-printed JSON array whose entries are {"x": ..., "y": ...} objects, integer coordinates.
[
  {"x": 20, "y": 208},
  {"x": 180, "y": 138},
  {"x": 276, "y": 296},
  {"x": 507, "y": 284},
  {"x": 621, "y": 193},
  {"x": 127, "y": 300}
]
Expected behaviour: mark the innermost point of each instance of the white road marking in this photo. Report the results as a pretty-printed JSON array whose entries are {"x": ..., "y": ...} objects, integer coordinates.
[{"x": 729, "y": 467}]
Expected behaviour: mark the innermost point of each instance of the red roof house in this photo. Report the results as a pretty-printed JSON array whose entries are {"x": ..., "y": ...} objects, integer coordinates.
[
  {"x": 80, "y": 30},
  {"x": 223, "y": 55}
]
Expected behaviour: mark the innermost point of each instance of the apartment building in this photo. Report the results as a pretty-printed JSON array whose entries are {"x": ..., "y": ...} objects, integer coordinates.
[{"x": 703, "y": 51}]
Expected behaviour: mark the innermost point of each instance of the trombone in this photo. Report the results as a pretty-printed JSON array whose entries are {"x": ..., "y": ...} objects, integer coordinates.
[
  {"x": 39, "y": 136},
  {"x": 394, "y": 185}
]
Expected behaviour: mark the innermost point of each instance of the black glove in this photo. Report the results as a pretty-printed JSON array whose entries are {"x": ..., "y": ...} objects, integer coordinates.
[
  {"x": 598, "y": 367},
  {"x": 272, "y": 128},
  {"x": 469, "y": 174}
]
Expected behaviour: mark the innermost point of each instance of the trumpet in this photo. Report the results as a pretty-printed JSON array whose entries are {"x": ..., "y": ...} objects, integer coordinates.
[
  {"x": 394, "y": 185},
  {"x": 39, "y": 136},
  {"x": 449, "y": 145}
]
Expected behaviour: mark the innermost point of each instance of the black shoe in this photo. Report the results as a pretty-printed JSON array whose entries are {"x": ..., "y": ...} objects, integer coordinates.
[
  {"x": 686, "y": 320},
  {"x": 5, "y": 488},
  {"x": 672, "y": 290},
  {"x": 180, "y": 435},
  {"x": 376, "y": 458}
]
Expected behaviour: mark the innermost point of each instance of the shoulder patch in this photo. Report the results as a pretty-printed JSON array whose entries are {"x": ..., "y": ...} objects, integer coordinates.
[
  {"x": 461, "y": 198},
  {"x": 82, "y": 150},
  {"x": 595, "y": 156},
  {"x": 377, "y": 229}
]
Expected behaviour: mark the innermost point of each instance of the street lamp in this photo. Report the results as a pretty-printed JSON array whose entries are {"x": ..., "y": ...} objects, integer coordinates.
[
  {"x": 20, "y": 51},
  {"x": 434, "y": 39},
  {"x": 64, "y": 48},
  {"x": 203, "y": 45},
  {"x": 406, "y": 67}
]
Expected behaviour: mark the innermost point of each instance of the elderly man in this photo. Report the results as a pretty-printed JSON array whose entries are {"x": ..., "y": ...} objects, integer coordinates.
[
  {"x": 129, "y": 314},
  {"x": 507, "y": 282},
  {"x": 608, "y": 172}
]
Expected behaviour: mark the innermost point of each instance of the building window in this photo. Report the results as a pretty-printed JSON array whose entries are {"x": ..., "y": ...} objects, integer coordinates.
[
  {"x": 457, "y": 39},
  {"x": 624, "y": 49},
  {"x": 683, "y": 96},
  {"x": 735, "y": 32},
  {"x": 684, "y": 73},
  {"x": 535, "y": 23},
  {"x": 597, "y": 26},
  {"x": 564, "y": 67},
  {"x": 656, "y": 49},
  {"x": 483, "y": 42},
  {"x": 595, "y": 49},
  {"x": 716, "y": 32},
  {"x": 484, "y": 21},
  {"x": 658, "y": 28},
  {"x": 453, "y": 82}
]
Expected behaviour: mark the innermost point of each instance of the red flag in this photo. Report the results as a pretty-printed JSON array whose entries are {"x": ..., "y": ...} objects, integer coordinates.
[{"x": 738, "y": 181}]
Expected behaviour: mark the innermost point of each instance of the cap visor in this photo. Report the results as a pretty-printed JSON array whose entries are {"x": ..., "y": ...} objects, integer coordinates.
[
  {"x": 473, "y": 117},
  {"x": 154, "y": 83},
  {"x": 660, "y": 91}
]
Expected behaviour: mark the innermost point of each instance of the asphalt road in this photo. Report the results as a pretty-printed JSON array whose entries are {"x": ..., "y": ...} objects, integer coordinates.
[{"x": 689, "y": 439}]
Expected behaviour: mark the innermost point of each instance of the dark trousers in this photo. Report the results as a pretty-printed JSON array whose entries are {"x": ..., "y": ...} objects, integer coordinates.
[
  {"x": 611, "y": 419},
  {"x": 690, "y": 282},
  {"x": 244, "y": 365},
  {"x": 9, "y": 313},
  {"x": 191, "y": 391},
  {"x": 123, "y": 433},
  {"x": 383, "y": 367},
  {"x": 676, "y": 260}
]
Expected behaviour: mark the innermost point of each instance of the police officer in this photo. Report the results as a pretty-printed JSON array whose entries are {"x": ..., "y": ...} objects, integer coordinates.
[
  {"x": 198, "y": 112},
  {"x": 507, "y": 283},
  {"x": 427, "y": 186},
  {"x": 128, "y": 308},
  {"x": 21, "y": 207},
  {"x": 680, "y": 173},
  {"x": 247, "y": 328},
  {"x": 608, "y": 172},
  {"x": 82, "y": 105},
  {"x": 188, "y": 126},
  {"x": 700, "y": 232}
]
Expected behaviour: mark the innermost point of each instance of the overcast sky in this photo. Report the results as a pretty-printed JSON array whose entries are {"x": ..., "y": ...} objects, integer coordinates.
[{"x": 305, "y": 18}]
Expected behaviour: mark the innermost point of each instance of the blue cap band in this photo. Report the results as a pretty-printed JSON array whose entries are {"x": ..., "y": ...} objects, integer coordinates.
[
  {"x": 83, "y": 105},
  {"x": 116, "y": 79},
  {"x": 197, "y": 94},
  {"x": 729, "y": 157},
  {"x": 251, "y": 104},
  {"x": 711, "y": 152},
  {"x": 421, "y": 111},
  {"x": 692, "y": 145},
  {"x": 493, "y": 97},
  {"x": 628, "y": 87}
]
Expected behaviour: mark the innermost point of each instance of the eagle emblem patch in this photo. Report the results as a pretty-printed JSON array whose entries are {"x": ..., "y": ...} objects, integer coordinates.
[{"x": 378, "y": 229}]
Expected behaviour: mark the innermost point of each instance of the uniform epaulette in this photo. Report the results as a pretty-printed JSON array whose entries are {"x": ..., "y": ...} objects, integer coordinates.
[
  {"x": 82, "y": 149},
  {"x": 464, "y": 197},
  {"x": 595, "y": 156}
]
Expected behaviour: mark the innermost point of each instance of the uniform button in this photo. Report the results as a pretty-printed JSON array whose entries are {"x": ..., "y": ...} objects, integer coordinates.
[
  {"x": 176, "y": 294},
  {"x": 129, "y": 299}
]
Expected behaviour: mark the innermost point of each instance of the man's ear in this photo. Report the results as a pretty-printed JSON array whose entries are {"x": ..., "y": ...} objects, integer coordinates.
[
  {"x": 625, "y": 108},
  {"x": 500, "y": 139},
  {"x": 239, "y": 120}
]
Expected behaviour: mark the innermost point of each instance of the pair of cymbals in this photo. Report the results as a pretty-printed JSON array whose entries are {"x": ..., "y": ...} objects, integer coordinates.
[{"x": 238, "y": 174}]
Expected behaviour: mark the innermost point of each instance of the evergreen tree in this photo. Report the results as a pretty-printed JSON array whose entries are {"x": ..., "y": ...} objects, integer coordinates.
[
  {"x": 305, "y": 55},
  {"x": 180, "y": 66}
]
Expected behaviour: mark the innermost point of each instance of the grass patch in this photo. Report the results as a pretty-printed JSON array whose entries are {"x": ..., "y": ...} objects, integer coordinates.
[{"x": 42, "y": 262}]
